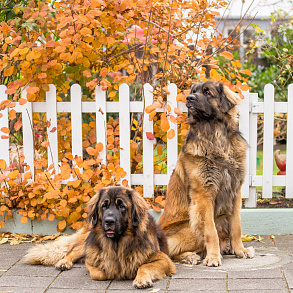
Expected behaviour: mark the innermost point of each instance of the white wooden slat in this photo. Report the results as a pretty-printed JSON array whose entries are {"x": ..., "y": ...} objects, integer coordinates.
[
  {"x": 76, "y": 120},
  {"x": 289, "y": 152},
  {"x": 251, "y": 201},
  {"x": 27, "y": 132},
  {"x": 268, "y": 139},
  {"x": 101, "y": 121},
  {"x": 148, "y": 148},
  {"x": 4, "y": 143},
  {"x": 159, "y": 179},
  {"x": 51, "y": 104},
  {"x": 172, "y": 144},
  {"x": 244, "y": 129},
  {"x": 280, "y": 107},
  {"x": 124, "y": 130},
  {"x": 278, "y": 180}
]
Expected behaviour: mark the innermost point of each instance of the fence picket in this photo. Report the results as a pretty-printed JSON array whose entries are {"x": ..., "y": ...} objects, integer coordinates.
[
  {"x": 250, "y": 202},
  {"x": 244, "y": 129},
  {"x": 27, "y": 132},
  {"x": 4, "y": 143},
  {"x": 172, "y": 144},
  {"x": 267, "y": 182},
  {"x": 101, "y": 121},
  {"x": 148, "y": 149},
  {"x": 124, "y": 130},
  {"x": 76, "y": 120},
  {"x": 289, "y": 154},
  {"x": 51, "y": 104}
]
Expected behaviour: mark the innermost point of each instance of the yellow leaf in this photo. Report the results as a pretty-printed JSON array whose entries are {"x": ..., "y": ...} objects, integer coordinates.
[
  {"x": 27, "y": 175},
  {"x": 76, "y": 183},
  {"x": 13, "y": 174},
  {"x": 85, "y": 31},
  {"x": 2, "y": 164},
  {"x": 112, "y": 94}
]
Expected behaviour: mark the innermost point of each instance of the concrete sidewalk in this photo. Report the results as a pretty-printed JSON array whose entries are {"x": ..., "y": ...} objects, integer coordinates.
[{"x": 270, "y": 271}]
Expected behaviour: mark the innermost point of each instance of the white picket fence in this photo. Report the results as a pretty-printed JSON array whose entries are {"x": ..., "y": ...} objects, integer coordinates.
[{"x": 249, "y": 110}]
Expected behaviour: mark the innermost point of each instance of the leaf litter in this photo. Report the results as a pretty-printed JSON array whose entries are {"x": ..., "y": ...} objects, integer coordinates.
[{"x": 15, "y": 238}]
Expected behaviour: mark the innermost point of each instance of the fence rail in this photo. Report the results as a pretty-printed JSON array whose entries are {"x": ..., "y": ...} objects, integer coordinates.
[{"x": 249, "y": 110}]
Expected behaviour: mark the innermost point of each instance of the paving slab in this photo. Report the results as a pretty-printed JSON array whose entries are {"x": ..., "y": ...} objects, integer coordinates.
[
  {"x": 21, "y": 290},
  {"x": 256, "y": 274},
  {"x": 26, "y": 282},
  {"x": 256, "y": 284},
  {"x": 197, "y": 285}
]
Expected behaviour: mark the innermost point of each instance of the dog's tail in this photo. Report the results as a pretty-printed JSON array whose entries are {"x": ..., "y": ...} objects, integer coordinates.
[{"x": 50, "y": 253}]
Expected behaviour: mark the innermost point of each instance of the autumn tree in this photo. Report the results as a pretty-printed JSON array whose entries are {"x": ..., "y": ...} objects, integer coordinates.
[{"x": 104, "y": 43}]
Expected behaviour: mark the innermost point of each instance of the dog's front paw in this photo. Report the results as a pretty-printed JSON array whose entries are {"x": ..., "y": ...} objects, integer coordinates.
[
  {"x": 212, "y": 261},
  {"x": 244, "y": 252},
  {"x": 63, "y": 265},
  {"x": 142, "y": 281},
  {"x": 191, "y": 258}
]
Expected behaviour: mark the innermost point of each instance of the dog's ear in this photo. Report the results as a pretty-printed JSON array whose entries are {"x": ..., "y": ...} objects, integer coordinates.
[
  {"x": 225, "y": 104},
  {"x": 138, "y": 208},
  {"x": 93, "y": 207}
]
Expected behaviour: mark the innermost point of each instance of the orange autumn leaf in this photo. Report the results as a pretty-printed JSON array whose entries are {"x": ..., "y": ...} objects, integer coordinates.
[
  {"x": 150, "y": 108},
  {"x": 171, "y": 134},
  {"x": 51, "y": 217},
  {"x": 17, "y": 125},
  {"x": 165, "y": 125},
  {"x": 99, "y": 147},
  {"x": 5, "y": 130},
  {"x": 23, "y": 220},
  {"x": 45, "y": 144},
  {"x": 12, "y": 114},
  {"x": 227, "y": 55},
  {"x": 104, "y": 72},
  {"x": 61, "y": 225},
  {"x": 156, "y": 208},
  {"x": 244, "y": 87}
]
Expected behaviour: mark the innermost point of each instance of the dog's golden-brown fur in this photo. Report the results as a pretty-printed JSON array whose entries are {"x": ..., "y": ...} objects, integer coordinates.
[
  {"x": 121, "y": 241},
  {"x": 203, "y": 202}
]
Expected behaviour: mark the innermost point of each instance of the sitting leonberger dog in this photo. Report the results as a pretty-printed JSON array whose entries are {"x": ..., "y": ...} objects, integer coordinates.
[
  {"x": 203, "y": 202},
  {"x": 121, "y": 241}
]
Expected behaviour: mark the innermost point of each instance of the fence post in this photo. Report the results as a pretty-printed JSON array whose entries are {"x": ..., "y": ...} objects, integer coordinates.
[
  {"x": 244, "y": 129},
  {"x": 251, "y": 201},
  {"x": 76, "y": 120},
  {"x": 4, "y": 143},
  {"x": 268, "y": 139},
  {"x": 148, "y": 149},
  {"x": 101, "y": 121},
  {"x": 172, "y": 144},
  {"x": 289, "y": 153},
  {"x": 124, "y": 130},
  {"x": 27, "y": 132},
  {"x": 51, "y": 105}
]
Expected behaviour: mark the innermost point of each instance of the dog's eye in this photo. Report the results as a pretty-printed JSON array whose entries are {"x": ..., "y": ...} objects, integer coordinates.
[
  {"x": 120, "y": 204},
  {"x": 206, "y": 92},
  {"x": 105, "y": 205}
]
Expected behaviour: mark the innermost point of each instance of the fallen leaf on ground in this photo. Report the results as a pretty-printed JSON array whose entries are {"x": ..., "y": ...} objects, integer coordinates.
[{"x": 247, "y": 237}]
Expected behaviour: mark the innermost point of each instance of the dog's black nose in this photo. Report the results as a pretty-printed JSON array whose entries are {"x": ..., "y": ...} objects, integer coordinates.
[
  {"x": 110, "y": 220},
  {"x": 190, "y": 98}
]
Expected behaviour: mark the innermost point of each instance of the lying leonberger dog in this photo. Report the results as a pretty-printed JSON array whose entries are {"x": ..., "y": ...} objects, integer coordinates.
[
  {"x": 121, "y": 241},
  {"x": 203, "y": 202}
]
